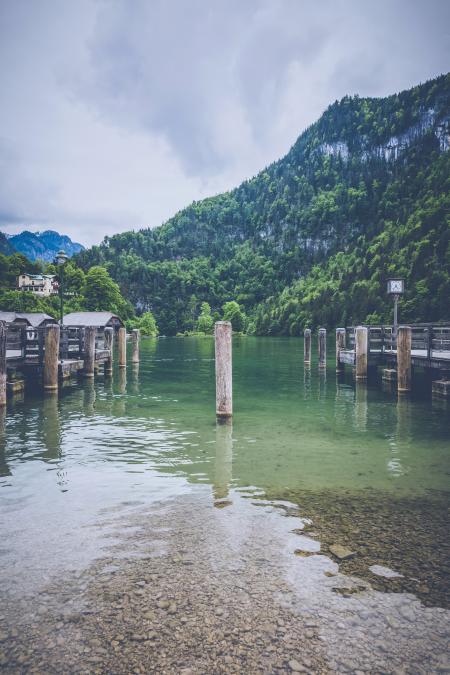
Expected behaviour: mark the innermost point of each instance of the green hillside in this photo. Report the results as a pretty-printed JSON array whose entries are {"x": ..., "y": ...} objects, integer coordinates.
[{"x": 363, "y": 194}]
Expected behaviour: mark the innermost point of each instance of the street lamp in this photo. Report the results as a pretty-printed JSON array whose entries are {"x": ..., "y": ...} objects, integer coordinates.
[
  {"x": 395, "y": 287},
  {"x": 60, "y": 259}
]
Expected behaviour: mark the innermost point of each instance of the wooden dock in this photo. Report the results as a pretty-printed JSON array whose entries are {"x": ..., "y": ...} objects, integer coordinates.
[
  {"x": 425, "y": 346},
  {"x": 52, "y": 353}
]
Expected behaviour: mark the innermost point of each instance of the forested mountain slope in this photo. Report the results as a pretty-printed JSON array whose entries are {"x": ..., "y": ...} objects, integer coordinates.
[{"x": 363, "y": 194}]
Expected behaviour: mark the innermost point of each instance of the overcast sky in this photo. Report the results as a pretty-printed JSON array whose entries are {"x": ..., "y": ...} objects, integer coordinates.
[{"x": 114, "y": 114}]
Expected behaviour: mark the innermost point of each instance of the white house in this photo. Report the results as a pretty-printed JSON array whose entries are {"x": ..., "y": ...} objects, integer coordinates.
[{"x": 39, "y": 284}]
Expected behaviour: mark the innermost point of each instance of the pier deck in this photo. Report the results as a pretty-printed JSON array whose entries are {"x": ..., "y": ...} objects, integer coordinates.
[{"x": 425, "y": 346}]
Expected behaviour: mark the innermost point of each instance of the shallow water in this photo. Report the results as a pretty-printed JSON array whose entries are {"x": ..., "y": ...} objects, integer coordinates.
[{"x": 81, "y": 474}]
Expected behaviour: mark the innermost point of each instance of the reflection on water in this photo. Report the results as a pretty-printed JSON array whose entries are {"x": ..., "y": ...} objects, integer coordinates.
[
  {"x": 223, "y": 465},
  {"x": 366, "y": 470}
]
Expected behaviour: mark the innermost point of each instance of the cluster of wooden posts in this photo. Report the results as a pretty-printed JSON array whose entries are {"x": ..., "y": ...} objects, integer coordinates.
[
  {"x": 53, "y": 362},
  {"x": 399, "y": 348}
]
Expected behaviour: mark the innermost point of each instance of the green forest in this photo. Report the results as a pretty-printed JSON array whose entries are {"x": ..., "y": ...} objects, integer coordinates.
[{"x": 363, "y": 194}]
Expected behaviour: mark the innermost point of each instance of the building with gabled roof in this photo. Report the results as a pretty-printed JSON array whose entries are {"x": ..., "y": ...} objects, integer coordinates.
[
  {"x": 98, "y": 319},
  {"x": 40, "y": 284},
  {"x": 33, "y": 319}
]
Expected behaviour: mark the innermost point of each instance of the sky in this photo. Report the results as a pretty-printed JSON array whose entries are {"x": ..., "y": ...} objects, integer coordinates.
[{"x": 116, "y": 114}]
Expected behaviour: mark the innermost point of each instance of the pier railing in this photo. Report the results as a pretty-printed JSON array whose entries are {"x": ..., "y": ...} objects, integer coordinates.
[
  {"x": 428, "y": 340},
  {"x": 27, "y": 344}
]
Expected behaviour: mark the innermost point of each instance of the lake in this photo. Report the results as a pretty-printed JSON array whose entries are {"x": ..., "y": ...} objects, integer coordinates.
[{"x": 139, "y": 535}]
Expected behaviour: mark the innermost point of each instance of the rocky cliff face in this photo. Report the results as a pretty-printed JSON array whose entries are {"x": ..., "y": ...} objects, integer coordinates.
[
  {"x": 43, "y": 245},
  {"x": 396, "y": 145}
]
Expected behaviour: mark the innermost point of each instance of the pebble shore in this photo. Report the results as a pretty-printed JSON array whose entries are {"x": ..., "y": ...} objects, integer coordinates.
[{"x": 201, "y": 586}]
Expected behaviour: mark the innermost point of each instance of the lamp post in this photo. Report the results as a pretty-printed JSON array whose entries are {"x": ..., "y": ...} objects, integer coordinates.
[
  {"x": 60, "y": 259},
  {"x": 395, "y": 287}
]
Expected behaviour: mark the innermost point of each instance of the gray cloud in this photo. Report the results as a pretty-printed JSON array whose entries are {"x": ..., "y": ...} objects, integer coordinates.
[{"x": 113, "y": 114}]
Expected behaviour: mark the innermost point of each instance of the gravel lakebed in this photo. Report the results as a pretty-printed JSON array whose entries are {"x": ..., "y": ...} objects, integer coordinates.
[{"x": 197, "y": 584}]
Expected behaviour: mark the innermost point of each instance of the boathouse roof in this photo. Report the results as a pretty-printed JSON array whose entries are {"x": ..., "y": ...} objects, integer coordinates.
[
  {"x": 33, "y": 319},
  {"x": 99, "y": 319}
]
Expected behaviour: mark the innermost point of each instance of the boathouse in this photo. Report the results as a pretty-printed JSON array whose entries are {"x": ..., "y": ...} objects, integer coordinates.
[
  {"x": 31, "y": 319},
  {"x": 97, "y": 319}
]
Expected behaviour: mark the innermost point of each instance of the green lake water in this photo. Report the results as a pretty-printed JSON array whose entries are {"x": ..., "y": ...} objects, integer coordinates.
[{"x": 361, "y": 467}]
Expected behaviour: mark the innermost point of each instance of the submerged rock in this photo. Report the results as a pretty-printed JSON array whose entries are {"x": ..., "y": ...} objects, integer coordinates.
[
  {"x": 341, "y": 552},
  {"x": 386, "y": 572}
]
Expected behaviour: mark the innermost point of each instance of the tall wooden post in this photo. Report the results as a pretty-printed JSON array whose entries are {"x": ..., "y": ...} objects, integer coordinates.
[
  {"x": 109, "y": 338},
  {"x": 2, "y": 363},
  {"x": 51, "y": 357},
  {"x": 340, "y": 345},
  {"x": 404, "y": 359},
  {"x": 361, "y": 351},
  {"x": 307, "y": 346},
  {"x": 224, "y": 382},
  {"x": 322, "y": 348},
  {"x": 122, "y": 342},
  {"x": 89, "y": 350},
  {"x": 135, "y": 339}
]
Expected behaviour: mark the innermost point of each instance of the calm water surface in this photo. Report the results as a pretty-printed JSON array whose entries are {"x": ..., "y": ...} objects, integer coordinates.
[{"x": 343, "y": 463}]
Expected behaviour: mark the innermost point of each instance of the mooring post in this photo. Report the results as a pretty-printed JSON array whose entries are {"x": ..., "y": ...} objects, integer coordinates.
[
  {"x": 404, "y": 359},
  {"x": 322, "y": 348},
  {"x": 307, "y": 346},
  {"x": 2, "y": 363},
  {"x": 109, "y": 337},
  {"x": 122, "y": 343},
  {"x": 51, "y": 357},
  {"x": 135, "y": 339},
  {"x": 340, "y": 345},
  {"x": 361, "y": 349},
  {"x": 224, "y": 382},
  {"x": 89, "y": 351}
]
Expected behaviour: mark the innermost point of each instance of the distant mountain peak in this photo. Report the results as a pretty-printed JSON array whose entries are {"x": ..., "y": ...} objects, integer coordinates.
[{"x": 43, "y": 245}]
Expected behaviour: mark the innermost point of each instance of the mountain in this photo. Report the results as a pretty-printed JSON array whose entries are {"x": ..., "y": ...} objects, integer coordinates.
[
  {"x": 5, "y": 246},
  {"x": 43, "y": 245},
  {"x": 362, "y": 195}
]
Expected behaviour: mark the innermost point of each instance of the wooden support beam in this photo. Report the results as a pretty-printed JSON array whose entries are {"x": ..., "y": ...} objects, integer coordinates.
[
  {"x": 109, "y": 339},
  {"x": 89, "y": 351},
  {"x": 224, "y": 382},
  {"x": 322, "y": 348},
  {"x": 2, "y": 363},
  {"x": 51, "y": 357},
  {"x": 340, "y": 345},
  {"x": 404, "y": 337},
  {"x": 135, "y": 340},
  {"x": 361, "y": 351},
  {"x": 122, "y": 344},
  {"x": 307, "y": 346}
]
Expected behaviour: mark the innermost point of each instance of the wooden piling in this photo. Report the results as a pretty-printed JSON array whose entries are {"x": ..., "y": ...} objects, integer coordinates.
[
  {"x": 307, "y": 346},
  {"x": 109, "y": 338},
  {"x": 404, "y": 359},
  {"x": 2, "y": 363},
  {"x": 224, "y": 382},
  {"x": 51, "y": 357},
  {"x": 122, "y": 343},
  {"x": 340, "y": 345},
  {"x": 322, "y": 348},
  {"x": 361, "y": 351},
  {"x": 135, "y": 339},
  {"x": 90, "y": 333}
]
